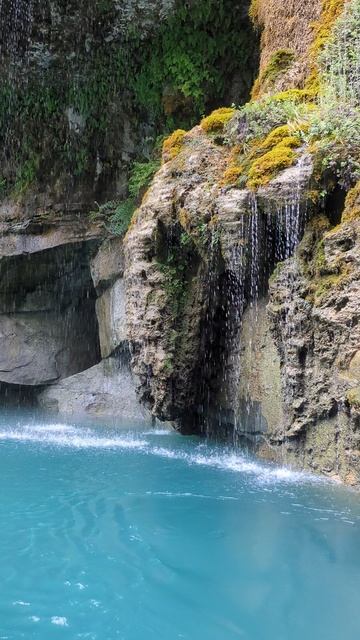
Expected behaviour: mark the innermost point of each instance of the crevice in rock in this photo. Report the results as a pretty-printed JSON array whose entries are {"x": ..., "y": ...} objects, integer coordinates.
[{"x": 334, "y": 205}]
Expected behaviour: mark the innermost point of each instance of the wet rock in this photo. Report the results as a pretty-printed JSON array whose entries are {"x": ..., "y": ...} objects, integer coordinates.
[
  {"x": 179, "y": 347},
  {"x": 315, "y": 322},
  {"x": 110, "y": 311},
  {"x": 48, "y": 326},
  {"x": 106, "y": 389}
]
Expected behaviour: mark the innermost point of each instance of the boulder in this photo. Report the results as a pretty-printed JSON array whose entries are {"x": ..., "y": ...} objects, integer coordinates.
[{"x": 106, "y": 389}]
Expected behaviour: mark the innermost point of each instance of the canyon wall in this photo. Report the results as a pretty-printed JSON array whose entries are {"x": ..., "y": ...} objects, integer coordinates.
[
  {"x": 230, "y": 307},
  {"x": 242, "y": 262},
  {"x": 86, "y": 90}
]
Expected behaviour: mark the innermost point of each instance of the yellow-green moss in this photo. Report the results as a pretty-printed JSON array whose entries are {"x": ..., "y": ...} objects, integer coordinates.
[
  {"x": 352, "y": 204},
  {"x": 279, "y": 62},
  {"x": 272, "y": 155},
  {"x": 268, "y": 166},
  {"x": 353, "y": 397},
  {"x": 215, "y": 122},
  {"x": 281, "y": 135},
  {"x": 234, "y": 169},
  {"x": 254, "y": 12},
  {"x": 256, "y": 164},
  {"x": 173, "y": 145},
  {"x": 331, "y": 10},
  {"x": 231, "y": 176}
]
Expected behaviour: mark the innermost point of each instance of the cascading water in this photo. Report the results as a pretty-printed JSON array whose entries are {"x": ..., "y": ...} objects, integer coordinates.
[{"x": 269, "y": 232}]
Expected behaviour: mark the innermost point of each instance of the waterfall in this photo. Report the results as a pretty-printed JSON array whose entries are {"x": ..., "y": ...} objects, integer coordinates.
[
  {"x": 269, "y": 231},
  {"x": 15, "y": 29}
]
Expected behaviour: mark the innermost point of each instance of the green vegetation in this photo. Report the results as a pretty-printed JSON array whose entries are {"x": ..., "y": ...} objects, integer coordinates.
[
  {"x": 331, "y": 10},
  {"x": 279, "y": 62},
  {"x": 324, "y": 116},
  {"x": 141, "y": 175},
  {"x": 340, "y": 57},
  {"x": 192, "y": 56},
  {"x": 71, "y": 117},
  {"x": 116, "y": 215},
  {"x": 174, "y": 269}
]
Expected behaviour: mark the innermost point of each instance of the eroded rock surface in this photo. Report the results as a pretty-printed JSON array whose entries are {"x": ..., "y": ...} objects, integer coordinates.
[
  {"x": 213, "y": 348},
  {"x": 314, "y": 312},
  {"x": 106, "y": 389},
  {"x": 189, "y": 262},
  {"x": 48, "y": 326}
]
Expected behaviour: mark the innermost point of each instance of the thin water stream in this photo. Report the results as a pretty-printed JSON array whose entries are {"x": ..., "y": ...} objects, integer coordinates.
[{"x": 120, "y": 532}]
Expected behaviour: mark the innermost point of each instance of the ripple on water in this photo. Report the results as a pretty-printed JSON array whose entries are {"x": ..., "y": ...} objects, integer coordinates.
[{"x": 167, "y": 537}]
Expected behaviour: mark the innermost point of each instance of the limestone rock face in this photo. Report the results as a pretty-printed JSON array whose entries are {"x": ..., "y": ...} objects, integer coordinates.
[
  {"x": 110, "y": 310},
  {"x": 235, "y": 328},
  {"x": 40, "y": 224},
  {"x": 166, "y": 301},
  {"x": 107, "y": 269},
  {"x": 62, "y": 323},
  {"x": 108, "y": 264},
  {"x": 106, "y": 389},
  {"x": 190, "y": 259},
  {"x": 48, "y": 327},
  {"x": 315, "y": 322}
]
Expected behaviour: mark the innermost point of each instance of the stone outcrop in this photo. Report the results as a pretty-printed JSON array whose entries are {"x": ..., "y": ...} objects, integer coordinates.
[
  {"x": 165, "y": 329},
  {"x": 63, "y": 338},
  {"x": 314, "y": 313},
  {"x": 192, "y": 256},
  {"x": 106, "y": 389},
  {"x": 218, "y": 351},
  {"x": 107, "y": 270}
]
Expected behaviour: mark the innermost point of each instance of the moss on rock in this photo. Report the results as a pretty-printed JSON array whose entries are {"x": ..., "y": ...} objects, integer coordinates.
[
  {"x": 279, "y": 62},
  {"x": 216, "y": 121},
  {"x": 270, "y": 164},
  {"x": 352, "y": 204},
  {"x": 173, "y": 145}
]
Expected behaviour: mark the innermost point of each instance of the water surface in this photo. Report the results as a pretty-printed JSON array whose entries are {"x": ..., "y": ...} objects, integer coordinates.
[{"x": 140, "y": 535}]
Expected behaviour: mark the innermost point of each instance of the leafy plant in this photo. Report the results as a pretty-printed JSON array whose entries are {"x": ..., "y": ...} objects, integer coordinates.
[
  {"x": 141, "y": 175},
  {"x": 115, "y": 215},
  {"x": 165, "y": 79}
]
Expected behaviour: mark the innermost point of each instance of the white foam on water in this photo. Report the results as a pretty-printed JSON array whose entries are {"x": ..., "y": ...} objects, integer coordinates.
[
  {"x": 80, "y": 586},
  {"x": 230, "y": 461},
  {"x": 76, "y": 439},
  {"x": 158, "y": 432},
  {"x": 50, "y": 428},
  {"x": 64, "y": 435},
  {"x": 60, "y": 621}
]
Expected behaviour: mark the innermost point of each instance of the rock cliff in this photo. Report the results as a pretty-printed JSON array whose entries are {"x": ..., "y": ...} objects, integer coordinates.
[
  {"x": 242, "y": 262},
  {"x": 86, "y": 90},
  {"x": 232, "y": 302}
]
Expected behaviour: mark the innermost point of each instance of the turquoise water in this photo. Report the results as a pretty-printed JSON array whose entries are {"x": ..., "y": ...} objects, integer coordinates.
[{"x": 107, "y": 534}]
